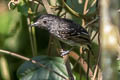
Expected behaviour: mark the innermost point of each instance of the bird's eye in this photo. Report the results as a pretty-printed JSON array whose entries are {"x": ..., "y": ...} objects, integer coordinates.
[{"x": 44, "y": 22}]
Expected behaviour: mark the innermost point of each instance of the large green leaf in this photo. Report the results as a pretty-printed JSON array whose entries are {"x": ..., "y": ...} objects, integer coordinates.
[{"x": 29, "y": 71}]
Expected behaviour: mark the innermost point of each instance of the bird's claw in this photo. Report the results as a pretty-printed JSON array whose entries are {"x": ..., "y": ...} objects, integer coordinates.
[{"x": 63, "y": 53}]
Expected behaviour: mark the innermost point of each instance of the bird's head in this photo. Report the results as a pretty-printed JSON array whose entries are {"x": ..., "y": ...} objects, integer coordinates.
[{"x": 45, "y": 21}]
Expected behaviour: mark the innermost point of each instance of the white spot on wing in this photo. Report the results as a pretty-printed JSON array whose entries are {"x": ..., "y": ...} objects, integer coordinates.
[{"x": 84, "y": 33}]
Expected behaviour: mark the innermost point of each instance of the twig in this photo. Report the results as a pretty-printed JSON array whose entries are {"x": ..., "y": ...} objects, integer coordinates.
[
  {"x": 95, "y": 73},
  {"x": 91, "y": 22},
  {"x": 71, "y": 10},
  {"x": 85, "y": 7},
  {"x": 33, "y": 61},
  {"x": 97, "y": 67},
  {"x": 80, "y": 72},
  {"x": 75, "y": 63},
  {"x": 68, "y": 67},
  {"x": 88, "y": 56},
  {"x": 94, "y": 36},
  {"x": 4, "y": 70},
  {"x": 76, "y": 13},
  {"x": 49, "y": 11},
  {"x": 94, "y": 2},
  {"x": 82, "y": 62},
  {"x": 85, "y": 11},
  {"x": 47, "y": 6},
  {"x": 33, "y": 41},
  {"x": 100, "y": 75}
]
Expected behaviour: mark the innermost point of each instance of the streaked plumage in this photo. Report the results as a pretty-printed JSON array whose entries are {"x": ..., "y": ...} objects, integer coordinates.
[{"x": 65, "y": 30}]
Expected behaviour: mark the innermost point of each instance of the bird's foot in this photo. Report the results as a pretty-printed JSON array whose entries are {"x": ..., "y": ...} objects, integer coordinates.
[{"x": 63, "y": 53}]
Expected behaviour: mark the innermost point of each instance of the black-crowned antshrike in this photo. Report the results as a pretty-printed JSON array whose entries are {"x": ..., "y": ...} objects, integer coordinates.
[{"x": 63, "y": 29}]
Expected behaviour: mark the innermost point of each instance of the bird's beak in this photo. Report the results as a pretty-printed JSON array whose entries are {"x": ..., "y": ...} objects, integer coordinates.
[{"x": 35, "y": 24}]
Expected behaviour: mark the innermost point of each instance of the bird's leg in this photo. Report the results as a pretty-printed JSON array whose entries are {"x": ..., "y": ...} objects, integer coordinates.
[
  {"x": 62, "y": 51},
  {"x": 65, "y": 52}
]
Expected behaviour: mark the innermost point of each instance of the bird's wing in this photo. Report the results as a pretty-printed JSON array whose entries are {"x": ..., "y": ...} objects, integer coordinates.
[{"x": 79, "y": 35}]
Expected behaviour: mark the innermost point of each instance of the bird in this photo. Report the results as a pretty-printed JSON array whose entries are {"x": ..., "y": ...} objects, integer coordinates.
[{"x": 65, "y": 30}]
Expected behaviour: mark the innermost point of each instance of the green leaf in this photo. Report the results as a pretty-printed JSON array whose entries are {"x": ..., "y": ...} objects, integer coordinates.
[{"x": 29, "y": 71}]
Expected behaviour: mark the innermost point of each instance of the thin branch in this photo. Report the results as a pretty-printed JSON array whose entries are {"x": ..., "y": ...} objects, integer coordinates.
[
  {"x": 97, "y": 67},
  {"x": 88, "y": 58},
  {"x": 75, "y": 63},
  {"x": 94, "y": 36},
  {"x": 32, "y": 38},
  {"x": 4, "y": 68},
  {"x": 67, "y": 63},
  {"x": 85, "y": 7},
  {"x": 30, "y": 35},
  {"x": 76, "y": 13},
  {"x": 82, "y": 62},
  {"x": 49, "y": 11},
  {"x": 100, "y": 75},
  {"x": 85, "y": 12},
  {"x": 47, "y": 6},
  {"x": 91, "y": 22},
  {"x": 33, "y": 61},
  {"x": 93, "y": 3}
]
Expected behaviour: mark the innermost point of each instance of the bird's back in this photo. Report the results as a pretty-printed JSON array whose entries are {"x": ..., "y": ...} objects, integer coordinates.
[{"x": 72, "y": 33}]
